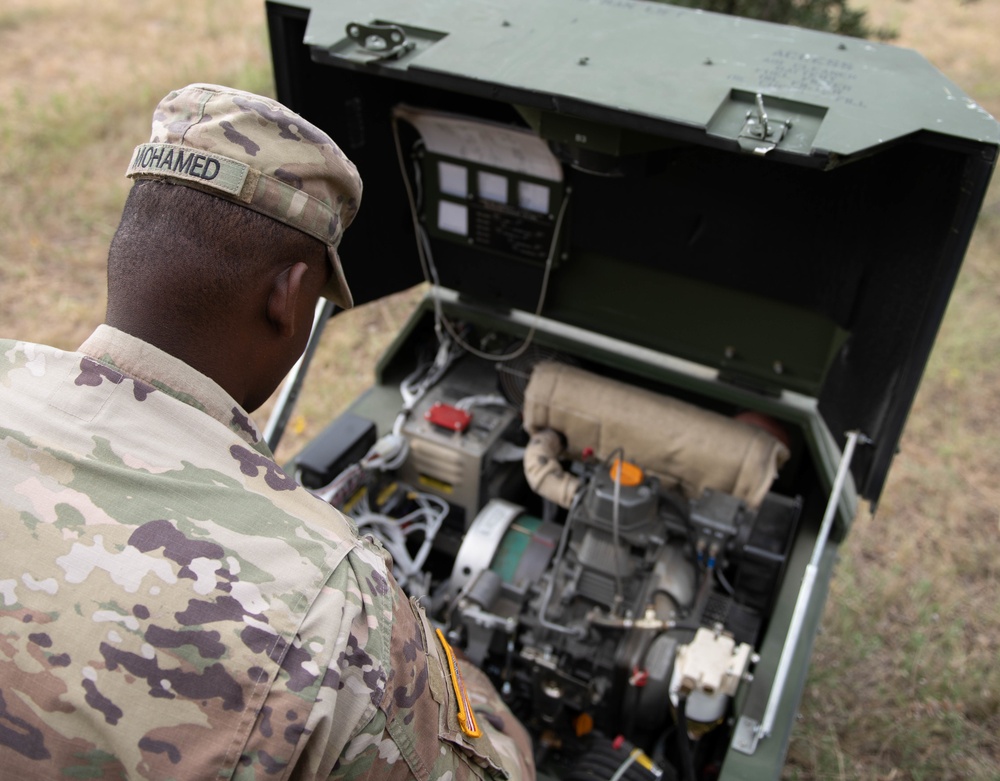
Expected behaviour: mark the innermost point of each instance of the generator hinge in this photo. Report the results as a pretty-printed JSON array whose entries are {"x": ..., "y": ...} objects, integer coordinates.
[{"x": 760, "y": 134}]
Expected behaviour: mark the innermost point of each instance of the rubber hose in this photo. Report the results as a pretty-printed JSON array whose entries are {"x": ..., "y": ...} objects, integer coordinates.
[
  {"x": 683, "y": 742},
  {"x": 543, "y": 471}
]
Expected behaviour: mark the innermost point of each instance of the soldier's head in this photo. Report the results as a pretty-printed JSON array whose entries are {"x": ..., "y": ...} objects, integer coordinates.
[{"x": 230, "y": 234}]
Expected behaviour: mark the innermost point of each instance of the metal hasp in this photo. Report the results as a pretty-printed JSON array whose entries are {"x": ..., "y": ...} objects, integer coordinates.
[
  {"x": 748, "y": 732},
  {"x": 381, "y": 41},
  {"x": 760, "y": 135}
]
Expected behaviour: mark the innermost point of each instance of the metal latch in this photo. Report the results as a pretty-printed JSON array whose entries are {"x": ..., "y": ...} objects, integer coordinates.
[
  {"x": 380, "y": 41},
  {"x": 759, "y": 134}
]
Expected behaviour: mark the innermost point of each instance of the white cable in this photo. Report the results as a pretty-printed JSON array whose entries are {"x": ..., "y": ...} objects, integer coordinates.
[
  {"x": 387, "y": 454},
  {"x": 337, "y": 491},
  {"x": 624, "y": 766},
  {"x": 430, "y": 271},
  {"x": 485, "y": 400},
  {"x": 616, "y": 542},
  {"x": 542, "y": 293},
  {"x": 426, "y": 519},
  {"x": 412, "y": 391}
]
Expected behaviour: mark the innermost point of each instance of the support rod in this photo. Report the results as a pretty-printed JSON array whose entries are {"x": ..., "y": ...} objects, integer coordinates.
[
  {"x": 805, "y": 592},
  {"x": 275, "y": 427}
]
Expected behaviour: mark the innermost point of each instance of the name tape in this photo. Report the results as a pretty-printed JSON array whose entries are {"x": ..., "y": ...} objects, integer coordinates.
[{"x": 193, "y": 165}]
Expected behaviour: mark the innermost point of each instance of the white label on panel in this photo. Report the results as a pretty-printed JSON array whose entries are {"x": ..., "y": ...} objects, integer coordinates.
[
  {"x": 492, "y": 187},
  {"x": 453, "y": 217},
  {"x": 454, "y": 179},
  {"x": 534, "y": 197}
]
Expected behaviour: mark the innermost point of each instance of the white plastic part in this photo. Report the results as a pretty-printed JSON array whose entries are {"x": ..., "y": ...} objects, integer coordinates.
[{"x": 711, "y": 664}]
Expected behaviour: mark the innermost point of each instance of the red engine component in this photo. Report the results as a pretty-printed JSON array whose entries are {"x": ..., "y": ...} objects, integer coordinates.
[{"x": 449, "y": 417}]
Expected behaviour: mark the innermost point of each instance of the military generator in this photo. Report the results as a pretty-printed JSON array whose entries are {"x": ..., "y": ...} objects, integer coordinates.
[{"x": 683, "y": 274}]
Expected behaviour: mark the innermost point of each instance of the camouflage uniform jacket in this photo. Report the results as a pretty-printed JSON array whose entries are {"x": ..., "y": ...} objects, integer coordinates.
[{"x": 174, "y": 606}]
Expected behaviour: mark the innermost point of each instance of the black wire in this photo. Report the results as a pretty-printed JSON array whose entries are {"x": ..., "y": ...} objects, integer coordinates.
[
  {"x": 724, "y": 582},
  {"x": 683, "y": 743}
]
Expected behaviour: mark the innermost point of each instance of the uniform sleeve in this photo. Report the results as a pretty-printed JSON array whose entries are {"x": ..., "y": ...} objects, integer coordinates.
[
  {"x": 416, "y": 732},
  {"x": 332, "y": 676}
]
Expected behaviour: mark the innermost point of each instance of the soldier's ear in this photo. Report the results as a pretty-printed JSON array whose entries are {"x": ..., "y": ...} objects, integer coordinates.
[{"x": 285, "y": 298}]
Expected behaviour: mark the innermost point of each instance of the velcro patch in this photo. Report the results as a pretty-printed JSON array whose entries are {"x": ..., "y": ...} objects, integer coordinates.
[{"x": 192, "y": 165}]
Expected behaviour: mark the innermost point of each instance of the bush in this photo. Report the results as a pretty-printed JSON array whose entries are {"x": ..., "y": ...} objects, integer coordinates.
[{"x": 829, "y": 15}]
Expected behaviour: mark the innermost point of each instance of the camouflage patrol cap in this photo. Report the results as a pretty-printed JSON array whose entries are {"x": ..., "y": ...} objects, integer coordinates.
[{"x": 256, "y": 152}]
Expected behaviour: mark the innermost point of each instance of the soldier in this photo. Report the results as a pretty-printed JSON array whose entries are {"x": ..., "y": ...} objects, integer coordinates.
[{"x": 173, "y": 604}]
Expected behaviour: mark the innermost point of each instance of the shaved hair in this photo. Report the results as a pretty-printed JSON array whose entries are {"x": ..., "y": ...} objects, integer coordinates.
[{"x": 190, "y": 257}]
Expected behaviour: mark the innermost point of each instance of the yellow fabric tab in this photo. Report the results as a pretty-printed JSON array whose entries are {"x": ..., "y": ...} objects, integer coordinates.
[{"x": 466, "y": 719}]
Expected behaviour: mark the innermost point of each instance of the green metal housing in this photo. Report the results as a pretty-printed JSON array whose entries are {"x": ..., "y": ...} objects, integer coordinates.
[
  {"x": 815, "y": 255},
  {"x": 756, "y": 216}
]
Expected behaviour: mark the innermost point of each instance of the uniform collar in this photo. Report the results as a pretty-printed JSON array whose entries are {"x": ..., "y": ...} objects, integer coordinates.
[{"x": 142, "y": 361}]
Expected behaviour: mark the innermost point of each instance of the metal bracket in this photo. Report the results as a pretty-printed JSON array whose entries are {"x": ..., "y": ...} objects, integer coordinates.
[
  {"x": 380, "y": 41},
  {"x": 759, "y": 134},
  {"x": 746, "y": 735}
]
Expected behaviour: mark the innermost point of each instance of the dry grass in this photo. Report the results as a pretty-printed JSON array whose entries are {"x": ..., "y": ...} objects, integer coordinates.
[
  {"x": 80, "y": 81},
  {"x": 904, "y": 682}
]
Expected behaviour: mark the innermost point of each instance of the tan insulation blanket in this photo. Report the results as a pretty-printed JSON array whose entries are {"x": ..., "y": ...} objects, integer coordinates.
[{"x": 681, "y": 444}]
